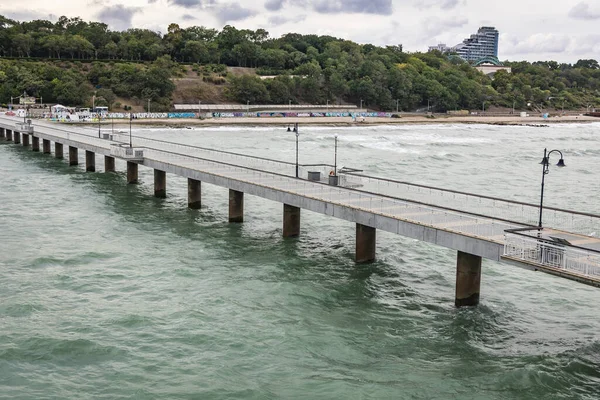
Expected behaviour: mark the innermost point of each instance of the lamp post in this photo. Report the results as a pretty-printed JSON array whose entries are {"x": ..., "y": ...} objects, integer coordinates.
[
  {"x": 397, "y": 102},
  {"x": 130, "y": 119},
  {"x": 483, "y": 107},
  {"x": 545, "y": 164},
  {"x": 289, "y": 105},
  {"x": 327, "y": 105},
  {"x": 148, "y": 106},
  {"x": 335, "y": 158},
  {"x": 247, "y": 106},
  {"x": 361, "y": 104},
  {"x": 427, "y": 105},
  {"x": 297, "y": 134},
  {"x": 99, "y": 125},
  {"x": 513, "y": 106}
]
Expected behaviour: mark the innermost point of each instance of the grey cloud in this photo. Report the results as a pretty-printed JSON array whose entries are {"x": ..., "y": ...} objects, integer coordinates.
[
  {"x": 118, "y": 16},
  {"x": 541, "y": 43},
  {"x": 434, "y": 26},
  {"x": 443, "y": 4},
  {"x": 28, "y": 15},
  {"x": 232, "y": 12},
  {"x": 188, "y": 17},
  {"x": 381, "y": 7},
  {"x": 190, "y": 3},
  {"x": 277, "y": 20},
  {"x": 274, "y": 5},
  {"x": 583, "y": 10}
]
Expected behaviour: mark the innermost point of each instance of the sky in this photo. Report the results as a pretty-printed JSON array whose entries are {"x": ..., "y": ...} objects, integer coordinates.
[{"x": 532, "y": 30}]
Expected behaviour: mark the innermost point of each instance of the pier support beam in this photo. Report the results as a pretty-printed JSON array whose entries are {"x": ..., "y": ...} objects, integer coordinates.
[
  {"x": 25, "y": 140},
  {"x": 109, "y": 164},
  {"x": 194, "y": 194},
  {"x": 90, "y": 161},
  {"x": 35, "y": 143},
  {"x": 132, "y": 172},
  {"x": 58, "y": 150},
  {"x": 2, "y": 133},
  {"x": 365, "y": 243},
  {"x": 160, "y": 184},
  {"x": 9, "y": 135},
  {"x": 236, "y": 206},
  {"x": 468, "y": 279},
  {"x": 291, "y": 221},
  {"x": 17, "y": 137},
  {"x": 46, "y": 146},
  {"x": 73, "y": 156}
]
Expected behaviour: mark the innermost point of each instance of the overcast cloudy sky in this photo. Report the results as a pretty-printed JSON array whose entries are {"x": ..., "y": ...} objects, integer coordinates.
[{"x": 530, "y": 30}]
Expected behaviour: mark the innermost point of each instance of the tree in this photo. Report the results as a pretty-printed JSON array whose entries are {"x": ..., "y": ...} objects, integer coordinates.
[
  {"x": 23, "y": 43},
  {"x": 588, "y": 64}
]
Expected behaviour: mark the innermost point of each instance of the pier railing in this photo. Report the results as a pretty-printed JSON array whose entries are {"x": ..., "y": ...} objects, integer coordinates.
[
  {"x": 538, "y": 251},
  {"x": 474, "y": 204},
  {"x": 508, "y": 210}
]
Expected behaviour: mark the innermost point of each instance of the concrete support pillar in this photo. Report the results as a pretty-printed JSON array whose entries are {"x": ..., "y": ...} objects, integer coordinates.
[
  {"x": 160, "y": 184},
  {"x": 73, "y": 156},
  {"x": 132, "y": 172},
  {"x": 236, "y": 206},
  {"x": 90, "y": 161},
  {"x": 17, "y": 137},
  {"x": 58, "y": 150},
  {"x": 2, "y": 133},
  {"x": 365, "y": 243},
  {"x": 468, "y": 279},
  {"x": 9, "y": 135},
  {"x": 109, "y": 164},
  {"x": 194, "y": 194},
  {"x": 35, "y": 143},
  {"x": 25, "y": 140},
  {"x": 291, "y": 221},
  {"x": 46, "y": 146}
]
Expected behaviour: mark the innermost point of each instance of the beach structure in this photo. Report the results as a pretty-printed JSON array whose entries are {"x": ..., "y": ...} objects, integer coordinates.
[{"x": 474, "y": 226}]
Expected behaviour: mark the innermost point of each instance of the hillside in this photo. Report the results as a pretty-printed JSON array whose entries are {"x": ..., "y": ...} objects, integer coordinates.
[{"x": 128, "y": 68}]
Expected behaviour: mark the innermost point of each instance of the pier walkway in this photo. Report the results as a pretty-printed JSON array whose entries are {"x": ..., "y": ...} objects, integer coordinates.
[{"x": 475, "y": 226}]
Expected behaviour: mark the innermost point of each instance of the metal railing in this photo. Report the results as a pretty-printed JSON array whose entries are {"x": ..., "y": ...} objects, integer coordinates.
[
  {"x": 572, "y": 259},
  {"x": 507, "y": 210}
]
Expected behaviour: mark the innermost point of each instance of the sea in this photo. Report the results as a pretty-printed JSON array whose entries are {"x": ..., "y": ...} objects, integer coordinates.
[{"x": 107, "y": 292}]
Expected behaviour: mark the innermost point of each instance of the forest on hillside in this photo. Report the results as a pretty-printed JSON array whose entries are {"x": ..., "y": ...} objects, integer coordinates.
[{"x": 70, "y": 60}]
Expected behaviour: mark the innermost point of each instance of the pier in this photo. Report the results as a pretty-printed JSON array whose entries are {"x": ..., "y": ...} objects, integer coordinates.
[{"x": 476, "y": 227}]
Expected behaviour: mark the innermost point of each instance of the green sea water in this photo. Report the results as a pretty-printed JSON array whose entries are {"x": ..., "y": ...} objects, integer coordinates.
[{"x": 109, "y": 293}]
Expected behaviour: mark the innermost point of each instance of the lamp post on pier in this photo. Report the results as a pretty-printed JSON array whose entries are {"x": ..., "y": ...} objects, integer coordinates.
[
  {"x": 545, "y": 164},
  {"x": 335, "y": 158},
  {"x": 297, "y": 134}
]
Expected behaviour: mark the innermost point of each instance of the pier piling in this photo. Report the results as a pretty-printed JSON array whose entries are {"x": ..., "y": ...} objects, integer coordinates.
[
  {"x": 160, "y": 183},
  {"x": 365, "y": 243},
  {"x": 236, "y": 206},
  {"x": 90, "y": 161},
  {"x": 468, "y": 279},
  {"x": 291, "y": 221},
  {"x": 73, "y": 156},
  {"x": 194, "y": 194}
]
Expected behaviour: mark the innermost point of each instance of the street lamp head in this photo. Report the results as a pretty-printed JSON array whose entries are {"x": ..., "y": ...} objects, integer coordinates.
[
  {"x": 561, "y": 163},
  {"x": 544, "y": 161}
]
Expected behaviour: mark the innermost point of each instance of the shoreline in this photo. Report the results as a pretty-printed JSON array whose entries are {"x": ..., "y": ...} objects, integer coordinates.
[{"x": 347, "y": 121}]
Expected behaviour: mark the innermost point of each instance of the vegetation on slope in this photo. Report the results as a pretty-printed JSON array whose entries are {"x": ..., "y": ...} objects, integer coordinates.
[{"x": 140, "y": 64}]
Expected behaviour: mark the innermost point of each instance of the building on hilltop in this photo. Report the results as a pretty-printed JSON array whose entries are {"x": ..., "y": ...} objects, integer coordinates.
[
  {"x": 440, "y": 47},
  {"x": 483, "y": 44},
  {"x": 480, "y": 45}
]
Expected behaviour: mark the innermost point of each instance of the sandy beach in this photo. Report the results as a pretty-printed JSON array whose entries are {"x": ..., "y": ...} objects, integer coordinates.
[{"x": 347, "y": 121}]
